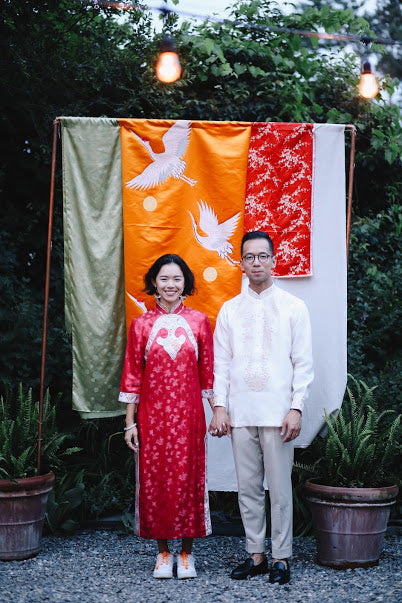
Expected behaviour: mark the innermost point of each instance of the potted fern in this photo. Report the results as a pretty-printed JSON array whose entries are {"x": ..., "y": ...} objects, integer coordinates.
[
  {"x": 23, "y": 489},
  {"x": 350, "y": 501}
]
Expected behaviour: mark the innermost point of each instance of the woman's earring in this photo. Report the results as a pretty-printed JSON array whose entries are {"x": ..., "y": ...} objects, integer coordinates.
[
  {"x": 157, "y": 295},
  {"x": 182, "y": 297}
]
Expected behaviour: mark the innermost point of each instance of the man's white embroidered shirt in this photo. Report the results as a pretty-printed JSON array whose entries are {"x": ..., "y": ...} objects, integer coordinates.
[{"x": 263, "y": 357}]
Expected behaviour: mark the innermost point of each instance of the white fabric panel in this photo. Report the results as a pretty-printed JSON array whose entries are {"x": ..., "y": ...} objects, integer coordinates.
[{"x": 325, "y": 296}]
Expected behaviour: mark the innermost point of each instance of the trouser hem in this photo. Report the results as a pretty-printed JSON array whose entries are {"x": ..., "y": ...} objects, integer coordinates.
[
  {"x": 255, "y": 547},
  {"x": 282, "y": 554}
]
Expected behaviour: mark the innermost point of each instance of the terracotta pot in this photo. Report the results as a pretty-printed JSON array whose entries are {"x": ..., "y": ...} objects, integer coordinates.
[
  {"x": 22, "y": 513},
  {"x": 349, "y": 523}
]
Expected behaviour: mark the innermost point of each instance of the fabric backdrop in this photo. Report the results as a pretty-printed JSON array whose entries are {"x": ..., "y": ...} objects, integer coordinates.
[{"x": 288, "y": 179}]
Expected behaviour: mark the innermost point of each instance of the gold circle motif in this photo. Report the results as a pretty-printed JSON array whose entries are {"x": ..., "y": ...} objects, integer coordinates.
[
  {"x": 150, "y": 203},
  {"x": 210, "y": 274}
]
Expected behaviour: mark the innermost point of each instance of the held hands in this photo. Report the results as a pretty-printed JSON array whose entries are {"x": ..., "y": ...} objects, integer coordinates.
[
  {"x": 291, "y": 425},
  {"x": 220, "y": 423},
  {"x": 131, "y": 438}
]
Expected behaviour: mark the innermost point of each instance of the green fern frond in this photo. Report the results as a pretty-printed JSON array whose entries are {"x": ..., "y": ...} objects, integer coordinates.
[
  {"x": 310, "y": 468},
  {"x": 368, "y": 399},
  {"x": 359, "y": 454},
  {"x": 2, "y": 409},
  {"x": 336, "y": 437},
  {"x": 384, "y": 413},
  {"x": 19, "y": 432},
  {"x": 352, "y": 403},
  {"x": 46, "y": 404},
  {"x": 392, "y": 438},
  {"x": 361, "y": 441},
  {"x": 371, "y": 419},
  {"x": 22, "y": 462},
  {"x": 342, "y": 426},
  {"x": 25, "y": 415},
  {"x": 71, "y": 451}
]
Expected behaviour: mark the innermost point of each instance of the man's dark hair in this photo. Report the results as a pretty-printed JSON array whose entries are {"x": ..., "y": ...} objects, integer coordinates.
[
  {"x": 257, "y": 234},
  {"x": 169, "y": 258}
]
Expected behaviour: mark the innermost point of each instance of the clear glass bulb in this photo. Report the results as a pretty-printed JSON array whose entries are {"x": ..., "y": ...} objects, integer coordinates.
[
  {"x": 168, "y": 67},
  {"x": 368, "y": 86}
]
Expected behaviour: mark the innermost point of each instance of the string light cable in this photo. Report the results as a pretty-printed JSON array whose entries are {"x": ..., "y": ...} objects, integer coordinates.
[
  {"x": 164, "y": 10},
  {"x": 168, "y": 68}
]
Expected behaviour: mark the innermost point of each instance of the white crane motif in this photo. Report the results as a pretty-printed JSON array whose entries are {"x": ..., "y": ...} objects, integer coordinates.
[
  {"x": 218, "y": 235},
  {"x": 168, "y": 163},
  {"x": 138, "y": 303}
]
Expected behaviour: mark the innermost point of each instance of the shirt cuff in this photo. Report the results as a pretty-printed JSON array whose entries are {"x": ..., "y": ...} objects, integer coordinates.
[
  {"x": 298, "y": 406},
  {"x": 218, "y": 401},
  {"x": 129, "y": 398}
]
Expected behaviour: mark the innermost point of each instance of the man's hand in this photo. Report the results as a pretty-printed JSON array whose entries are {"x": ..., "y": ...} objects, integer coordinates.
[
  {"x": 291, "y": 425},
  {"x": 220, "y": 424}
]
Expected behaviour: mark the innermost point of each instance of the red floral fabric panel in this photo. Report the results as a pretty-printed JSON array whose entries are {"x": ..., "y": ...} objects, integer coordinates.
[{"x": 279, "y": 192}]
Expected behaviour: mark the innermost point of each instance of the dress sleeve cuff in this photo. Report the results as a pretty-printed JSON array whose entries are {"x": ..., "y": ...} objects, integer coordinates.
[{"x": 129, "y": 398}]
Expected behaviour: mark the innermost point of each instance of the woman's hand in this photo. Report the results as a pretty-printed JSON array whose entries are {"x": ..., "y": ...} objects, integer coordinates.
[{"x": 131, "y": 438}]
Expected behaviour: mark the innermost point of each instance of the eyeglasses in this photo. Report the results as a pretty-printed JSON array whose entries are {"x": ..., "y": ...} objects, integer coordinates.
[{"x": 262, "y": 257}]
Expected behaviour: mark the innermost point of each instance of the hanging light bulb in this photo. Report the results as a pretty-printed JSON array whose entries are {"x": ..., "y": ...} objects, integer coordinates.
[
  {"x": 368, "y": 86},
  {"x": 168, "y": 67}
]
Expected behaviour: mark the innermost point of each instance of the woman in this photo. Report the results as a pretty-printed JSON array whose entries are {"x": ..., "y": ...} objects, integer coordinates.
[{"x": 168, "y": 368}]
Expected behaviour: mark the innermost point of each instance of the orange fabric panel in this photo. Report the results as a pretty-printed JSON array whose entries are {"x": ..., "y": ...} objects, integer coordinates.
[{"x": 184, "y": 188}]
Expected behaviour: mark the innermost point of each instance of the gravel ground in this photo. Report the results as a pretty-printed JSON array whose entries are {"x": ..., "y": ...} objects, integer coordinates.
[{"x": 103, "y": 566}]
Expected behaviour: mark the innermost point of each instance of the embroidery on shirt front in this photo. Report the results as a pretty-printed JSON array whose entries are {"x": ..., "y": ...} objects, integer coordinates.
[
  {"x": 258, "y": 326},
  {"x": 172, "y": 343}
]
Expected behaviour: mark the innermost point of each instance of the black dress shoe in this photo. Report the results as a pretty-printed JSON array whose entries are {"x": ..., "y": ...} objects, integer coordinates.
[
  {"x": 279, "y": 573},
  {"x": 246, "y": 569}
]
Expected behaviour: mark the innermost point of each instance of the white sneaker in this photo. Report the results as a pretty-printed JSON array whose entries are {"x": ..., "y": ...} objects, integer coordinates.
[
  {"x": 185, "y": 566},
  {"x": 164, "y": 565}
]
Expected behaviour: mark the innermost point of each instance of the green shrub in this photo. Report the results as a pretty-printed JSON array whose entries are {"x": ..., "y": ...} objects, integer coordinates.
[
  {"x": 374, "y": 308},
  {"x": 107, "y": 465},
  {"x": 363, "y": 443},
  {"x": 63, "y": 502}
]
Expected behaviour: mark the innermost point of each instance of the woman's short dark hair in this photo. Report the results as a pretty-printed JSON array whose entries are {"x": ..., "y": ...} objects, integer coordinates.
[
  {"x": 257, "y": 234},
  {"x": 169, "y": 258}
]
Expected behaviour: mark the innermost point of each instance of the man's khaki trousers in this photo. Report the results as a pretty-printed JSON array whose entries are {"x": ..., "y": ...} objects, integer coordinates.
[{"x": 259, "y": 451}]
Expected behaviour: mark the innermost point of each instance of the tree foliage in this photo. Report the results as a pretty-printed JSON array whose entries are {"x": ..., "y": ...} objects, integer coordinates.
[
  {"x": 385, "y": 21},
  {"x": 374, "y": 309}
]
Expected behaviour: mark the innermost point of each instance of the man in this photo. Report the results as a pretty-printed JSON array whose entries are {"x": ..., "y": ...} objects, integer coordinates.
[{"x": 263, "y": 368}]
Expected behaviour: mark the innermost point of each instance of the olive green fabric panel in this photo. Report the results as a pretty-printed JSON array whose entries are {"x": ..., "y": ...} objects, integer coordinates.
[{"x": 94, "y": 271}]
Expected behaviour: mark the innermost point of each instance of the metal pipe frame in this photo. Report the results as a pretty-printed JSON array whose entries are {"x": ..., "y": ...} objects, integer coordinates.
[
  {"x": 352, "y": 130},
  {"x": 56, "y": 123},
  {"x": 47, "y": 283}
]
